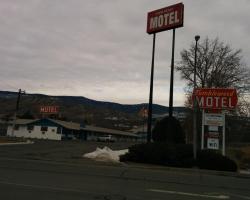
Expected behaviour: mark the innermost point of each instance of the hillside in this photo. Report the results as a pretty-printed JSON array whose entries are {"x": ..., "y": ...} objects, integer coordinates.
[{"x": 80, "y": 109}]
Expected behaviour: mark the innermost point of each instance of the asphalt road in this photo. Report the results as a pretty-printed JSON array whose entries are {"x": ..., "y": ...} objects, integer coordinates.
[{"x": 25, "y": 177}]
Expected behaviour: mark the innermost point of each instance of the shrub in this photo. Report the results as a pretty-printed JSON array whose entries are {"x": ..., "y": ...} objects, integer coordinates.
[
  {"x": 168, "y": 130},
  {"x": 179, "y": 155},
  {"x": 213, "y": 160}
]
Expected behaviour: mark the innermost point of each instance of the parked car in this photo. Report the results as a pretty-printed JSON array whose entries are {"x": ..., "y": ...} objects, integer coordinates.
[{"x": 106, "y": 138}]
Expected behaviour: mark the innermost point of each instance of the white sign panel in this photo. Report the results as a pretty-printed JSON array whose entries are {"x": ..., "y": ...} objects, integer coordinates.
[
  {"x": 213, "y": 128},
  {"x": 212, "y": 143},
  {"x": 212, "y": 119}
]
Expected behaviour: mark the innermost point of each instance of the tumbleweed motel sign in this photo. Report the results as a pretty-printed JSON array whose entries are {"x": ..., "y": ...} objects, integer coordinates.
[
  {"x": 213, "y": 102},
  {"x": 163, "y": 19}
]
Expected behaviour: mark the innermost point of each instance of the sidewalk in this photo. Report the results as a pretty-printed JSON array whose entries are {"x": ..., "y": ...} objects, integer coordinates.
[{"x": 15, "y": 143}]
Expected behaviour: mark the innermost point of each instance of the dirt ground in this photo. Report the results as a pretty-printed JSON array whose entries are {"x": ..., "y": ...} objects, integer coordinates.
[
  {"x": 11, "y": 140},
  {"x": 65, "y": 151},
  {"x": 72, "y": 151},
  {"x": 241, "y": 154}
]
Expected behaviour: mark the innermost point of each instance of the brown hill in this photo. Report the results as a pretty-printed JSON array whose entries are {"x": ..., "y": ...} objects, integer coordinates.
[{"x": 79, "y": 109}]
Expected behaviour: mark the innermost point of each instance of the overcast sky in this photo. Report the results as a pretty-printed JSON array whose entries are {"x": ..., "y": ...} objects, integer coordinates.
[{"x": 100, "y": 49}]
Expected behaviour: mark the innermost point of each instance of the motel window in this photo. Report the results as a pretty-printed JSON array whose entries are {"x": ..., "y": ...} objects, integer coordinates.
[
  {"x": 59, "y": 130},
  {"x": 44, "y": 128},
  {"x": 16, "y": 127},
  {"x": 30, "y": 127}
]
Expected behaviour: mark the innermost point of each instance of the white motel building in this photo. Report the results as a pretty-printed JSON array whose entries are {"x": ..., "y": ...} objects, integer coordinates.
[{"x": 52, "y": 129}]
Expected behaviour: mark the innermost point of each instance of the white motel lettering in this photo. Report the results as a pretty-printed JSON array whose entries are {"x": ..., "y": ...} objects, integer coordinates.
[
  {"x": 164, "y": 20},
  {"x": 214, "y": 102},
  {"x": 49, "y": 109}
]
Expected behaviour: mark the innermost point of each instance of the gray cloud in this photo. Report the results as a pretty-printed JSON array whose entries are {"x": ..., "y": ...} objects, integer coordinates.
[{"x": 100, "y": 49}]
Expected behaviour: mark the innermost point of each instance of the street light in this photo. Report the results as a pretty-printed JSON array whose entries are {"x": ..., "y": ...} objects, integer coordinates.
[{"x": 197, "y": 37}]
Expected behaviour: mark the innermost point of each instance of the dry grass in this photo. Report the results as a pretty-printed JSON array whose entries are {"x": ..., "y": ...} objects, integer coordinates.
[
  {"x": 241, "y": 155},
  {"x": 4, "y": 140},
  {"x": 246, "y": 150}
]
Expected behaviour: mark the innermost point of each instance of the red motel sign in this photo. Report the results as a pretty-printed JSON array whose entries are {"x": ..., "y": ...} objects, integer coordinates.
[
  {"x": 165, "y": 18},
  {"x": 49, "y": 109},
  {"x": 216, "y": 98}
]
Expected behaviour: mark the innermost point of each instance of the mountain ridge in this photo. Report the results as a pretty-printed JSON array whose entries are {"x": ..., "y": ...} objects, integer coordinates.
[
  {"x": 92, "y": 101},
  {"x": 79, "y": 108}
]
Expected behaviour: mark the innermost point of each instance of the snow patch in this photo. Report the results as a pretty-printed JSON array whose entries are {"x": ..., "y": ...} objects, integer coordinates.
[
  {"x": 106, "y": 154},
  {"x": 245, "y": 171}
]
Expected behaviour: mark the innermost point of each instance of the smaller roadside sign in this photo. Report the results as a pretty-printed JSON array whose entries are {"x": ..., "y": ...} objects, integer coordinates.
[
  {"x": 213, "y": 128},
  {"x": 212, "y": 119},
  {"x": 213, "y": 143}
]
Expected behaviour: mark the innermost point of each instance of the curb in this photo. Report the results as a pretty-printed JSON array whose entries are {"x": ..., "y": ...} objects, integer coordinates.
[
  {"x": 130, "y": 165},
  {"x": 189, "y": 170},
  {"x": 15, "y": 143}
]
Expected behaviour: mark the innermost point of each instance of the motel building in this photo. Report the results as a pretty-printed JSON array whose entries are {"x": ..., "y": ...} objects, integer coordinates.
[{"x": 53, "y": 129}]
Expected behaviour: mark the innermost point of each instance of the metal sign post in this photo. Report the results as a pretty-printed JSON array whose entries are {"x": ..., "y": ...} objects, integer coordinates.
[
  {"x": 223, "y": 135},
  {"x": 202, "y": 131},
  {"x": 163, "y": 19},
  {"x": 170, "y": 111},
  {"x": 151, "y": 93}
]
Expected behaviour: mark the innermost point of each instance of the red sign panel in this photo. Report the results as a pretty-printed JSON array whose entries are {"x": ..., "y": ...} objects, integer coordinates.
[
  {"x": 165, "y": 18},
  {"x": 49, "y": 109},
  {"x": 212, "y": 135},
  {"x": 143, "y": 112},
  {"x": 216, "y": 98}
]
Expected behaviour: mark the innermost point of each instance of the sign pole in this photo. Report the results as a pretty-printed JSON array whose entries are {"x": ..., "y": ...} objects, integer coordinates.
[
  {"x": 202, "y": 133},
  {"x": 223, "y": 134},
  {"x": 151, "y": 93},
  {"x": 159, "y": 20},
  {"x": 172, "y": 78}
]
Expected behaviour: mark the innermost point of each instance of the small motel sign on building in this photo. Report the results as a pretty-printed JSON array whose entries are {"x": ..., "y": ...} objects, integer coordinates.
[{"x": 49, "y": 109}]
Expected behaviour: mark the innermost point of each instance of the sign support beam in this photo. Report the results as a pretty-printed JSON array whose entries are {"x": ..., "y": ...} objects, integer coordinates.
[
  {"x": 202, "y": 132},
  {"x": 163, "y": 19},
  {"x": 149, "y": 129},
  {"x": 172, "y": 78},
  {"x": 223, "y": 135}
]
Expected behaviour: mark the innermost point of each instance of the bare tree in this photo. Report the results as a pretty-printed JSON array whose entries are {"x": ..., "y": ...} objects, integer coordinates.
[{"x": 218, "y": 65}]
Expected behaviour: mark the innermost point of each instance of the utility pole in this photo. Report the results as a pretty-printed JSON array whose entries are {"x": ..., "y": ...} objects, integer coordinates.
[{"x": 16, "y": 110}]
